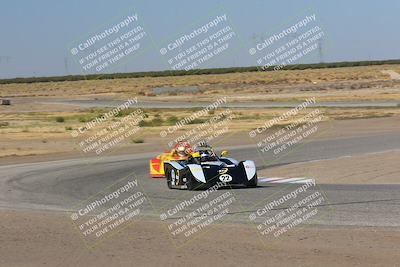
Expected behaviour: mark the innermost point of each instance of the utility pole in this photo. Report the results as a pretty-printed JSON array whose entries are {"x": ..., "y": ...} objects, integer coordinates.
[
  {"x": 320, "y": 50},
  {"x": 5, "y": 58},
  {"x": 66, "y": 65}
]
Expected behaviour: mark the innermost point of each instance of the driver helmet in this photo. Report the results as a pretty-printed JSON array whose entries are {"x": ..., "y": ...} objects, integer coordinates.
[
  {"x": 181, "y": 151},
  {"x": 205, "y": 156}
]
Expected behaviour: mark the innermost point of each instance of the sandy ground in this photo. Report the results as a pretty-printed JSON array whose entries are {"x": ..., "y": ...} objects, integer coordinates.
[{"x": 37, "y": 239}]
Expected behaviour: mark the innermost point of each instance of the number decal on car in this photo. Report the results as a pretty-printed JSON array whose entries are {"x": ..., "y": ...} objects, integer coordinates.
[{"x": 225, "y": 178}]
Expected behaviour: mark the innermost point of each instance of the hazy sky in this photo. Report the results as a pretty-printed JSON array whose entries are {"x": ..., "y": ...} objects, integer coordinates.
[{"x": 36, "y": 36}]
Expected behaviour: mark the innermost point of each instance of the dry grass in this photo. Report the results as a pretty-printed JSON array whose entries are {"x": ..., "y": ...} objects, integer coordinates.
[
  {"x": 223, "y": 81},
  {"x": 44, "y": 126}
]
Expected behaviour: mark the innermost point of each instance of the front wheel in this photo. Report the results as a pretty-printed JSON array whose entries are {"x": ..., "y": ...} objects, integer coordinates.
[
  {"x": 170, "y": 177},
  {"x": 191, "y": 183},
  {"x": 253, "y": 182}
]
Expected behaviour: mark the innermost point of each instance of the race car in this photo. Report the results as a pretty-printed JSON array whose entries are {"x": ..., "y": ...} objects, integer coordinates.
[
  {"x": 180, "y": 152},
  {"x": 204, "y": 168}
]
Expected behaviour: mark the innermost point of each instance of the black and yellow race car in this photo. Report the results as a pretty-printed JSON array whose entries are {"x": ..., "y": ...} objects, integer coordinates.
[{"x": 204, "y": 168}]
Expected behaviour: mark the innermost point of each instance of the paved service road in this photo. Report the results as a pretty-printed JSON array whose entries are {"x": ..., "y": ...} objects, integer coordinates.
[{"x": 171, "y": 104}]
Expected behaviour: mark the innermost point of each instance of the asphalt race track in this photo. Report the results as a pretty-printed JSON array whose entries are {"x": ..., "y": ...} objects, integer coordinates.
[{"x": 61, "y": 185}]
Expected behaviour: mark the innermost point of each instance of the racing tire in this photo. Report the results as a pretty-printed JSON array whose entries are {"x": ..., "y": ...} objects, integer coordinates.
[
  {"x": 253, "y": 182},
  {"x": 191, "y": 183},
  {"x": 168, "y": 177}
]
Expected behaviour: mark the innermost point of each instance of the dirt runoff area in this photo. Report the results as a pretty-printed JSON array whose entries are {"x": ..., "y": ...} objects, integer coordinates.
[{"x": 38, "y": 239}]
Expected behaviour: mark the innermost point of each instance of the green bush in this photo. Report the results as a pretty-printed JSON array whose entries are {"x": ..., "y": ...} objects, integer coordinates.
[
  {"x": 153, "y": 123},
  {"x": 68, "y": 128},
  {"x": 4, "y": 124},
  {"x": 137, "y": 140},
  {"x": 197, "y": 121},
  {"x": 143, "y": 123},
  {"x": 171, "y": 120},
  {"x": 119, "y": 114},
  {"x": 156, "y": 122},
  {"x": 60, "y": 119}
]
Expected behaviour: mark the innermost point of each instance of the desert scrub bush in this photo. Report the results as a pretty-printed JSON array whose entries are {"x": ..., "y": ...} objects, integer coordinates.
[
  {"x": 157, "y": 122},
  {"x": 137, "y": 141},
  {"x": 119, "y": 114},
  {"x": 171, "y": 120},
  {"x": 4, "y": 124},
  {"x": 60, "y": 119},
  {"x": 197, "y": 121},
  {"x": 152, "y": 123},
  {"x": 143, "y": 123}
]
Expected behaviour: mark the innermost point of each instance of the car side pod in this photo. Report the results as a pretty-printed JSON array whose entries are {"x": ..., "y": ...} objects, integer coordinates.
[
  {"x": 156, "y": 168},
  {"x": 251, "y": 173},
  {"x": 197, "y": 173},
  {"x": 250, "y": 169}
]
